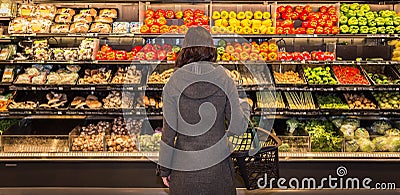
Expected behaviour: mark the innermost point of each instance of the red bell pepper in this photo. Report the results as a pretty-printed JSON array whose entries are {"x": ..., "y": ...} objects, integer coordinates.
[
  {"x": 157, "y": 47},
  {"x": 148, "y": 48},
  {"x": 313, "y": 24},
  {"x": 323, "y": 9},
  {"x": 310, "y": 31},
  {"x": 188, "y": 13},
  {"x": 288, "y": 30},
  {"x": 307, "y": 9},
  {"x": 334, "y": 19},
  {"x": 111, "y": 55},
  {"x": 151, "y": 55},
  {"x": 204, "y": 20},
  {"x": 121, "y": 55},
  {"x": 305, "y": 24},
  {"x": 279, "y": 30},
  {"x": 198, "y": 13},
  {"x": 183, "y": 29},
  {"x": 130, "y": 55},
  {"x": 299, "y": 9},
  {"x": 159, "y": 13},
  {"x": 335, "y": 30},
  {"x": 303, "y": 16},
  {"x": 106, "y": 48},
  {"x": 149, "y": 13},
  {"x": 161, "y": 55},
  {"x": 167, "y": 47},
  {"x": 288, "y": 23},
  {"x": 327, "y": 30},
  {"x": 331, "y": 10},
  {"x": 169, "y": 14},
  {"x": 173, "y": 29},
  {"x": 319, "y": 30},
  {"x": 281, "y": 9},
  {"x": 329, "y": 23},
  {"x": 300, "y": 30},
  {"x": 101, "y": 55},
  {"x": 321, "y": 22},
  {"x": 295, "y": 16},
  {"x": 136, "y": 49},
  {"x": 188, "y": 21},
  {"x": 289, "y": 9}
]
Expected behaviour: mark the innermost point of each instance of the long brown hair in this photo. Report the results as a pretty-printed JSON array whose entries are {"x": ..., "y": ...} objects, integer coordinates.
[{"x": 195, "y": 54}]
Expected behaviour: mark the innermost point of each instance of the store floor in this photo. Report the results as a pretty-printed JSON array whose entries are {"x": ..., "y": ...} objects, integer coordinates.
[{"x": 160, "y": 191}]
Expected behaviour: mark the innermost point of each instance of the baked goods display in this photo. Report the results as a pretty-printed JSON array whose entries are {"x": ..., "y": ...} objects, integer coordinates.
[
  {"x": 54, "y": 100},
  {"x": 127, "y": 75}
]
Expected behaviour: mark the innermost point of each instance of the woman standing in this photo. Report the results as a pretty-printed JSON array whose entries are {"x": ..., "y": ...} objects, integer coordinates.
[{"x": 198, "y": 99}]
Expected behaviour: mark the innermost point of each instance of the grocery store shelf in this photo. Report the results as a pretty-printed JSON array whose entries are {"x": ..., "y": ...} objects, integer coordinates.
[
  {"x": 105, "y": 87},
  {"x": 216, "y": 36},
  {"x": 147, "y": 156}
]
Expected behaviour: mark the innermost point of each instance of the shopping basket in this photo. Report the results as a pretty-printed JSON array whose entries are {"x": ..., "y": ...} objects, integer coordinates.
[{"x": 255, "y": 156}]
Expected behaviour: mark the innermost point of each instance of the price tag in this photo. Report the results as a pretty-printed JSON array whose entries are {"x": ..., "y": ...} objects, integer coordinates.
[
  {"x": 60, "y": 88},
  {"x": 33, "y": 88},
  {"x": 139, "y": 88},
  {"x": 130, "y": 88},
  {"x": 92, "y": 88},
  {"x": 59, "y": 113}
]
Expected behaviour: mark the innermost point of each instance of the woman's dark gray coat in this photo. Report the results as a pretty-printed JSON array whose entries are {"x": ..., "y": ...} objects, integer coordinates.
[{"x": 196, "y": 159}]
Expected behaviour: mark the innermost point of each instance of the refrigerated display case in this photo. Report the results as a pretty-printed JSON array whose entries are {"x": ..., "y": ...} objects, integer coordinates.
[{"x": 86, "y": 87}]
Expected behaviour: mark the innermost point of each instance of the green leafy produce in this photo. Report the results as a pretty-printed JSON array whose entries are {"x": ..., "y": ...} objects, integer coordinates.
[
  {"x": 150, "y": 143},
  {"x": 392, "y": 132},
  {"x": 292, "y": 124},
  {"x": 366, "y": 145},
  {"x": 361, "y": 133},
  {"x": 323, "y": 137},
  {"x": 351, "y": 146},
  {"x": 387, "y": 100},
  {"x": 394, "y": 144},
  {"x": 380, "y": 127},
  {"x": 331, "y": 101},
  {"x": 284, "y": 148},
  {"x": 382, "y": 79},
  {"x": 381, "y": 143},
  {"x": 6, "y": 124},
  {"x": 319, "y": 75},
  {"x": 348, "y": 127}
]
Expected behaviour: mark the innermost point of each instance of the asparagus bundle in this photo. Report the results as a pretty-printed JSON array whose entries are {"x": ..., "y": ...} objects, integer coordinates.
[
  {"x": 300, "y": 100},
  {"x": 270, "y": 100}
]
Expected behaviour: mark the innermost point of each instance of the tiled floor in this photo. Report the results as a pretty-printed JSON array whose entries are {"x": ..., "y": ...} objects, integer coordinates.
[{"x": 159, "y": 191}]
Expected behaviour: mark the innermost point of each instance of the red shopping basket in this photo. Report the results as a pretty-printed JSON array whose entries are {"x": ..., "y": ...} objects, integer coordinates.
[{"x": 256, "y": 154}]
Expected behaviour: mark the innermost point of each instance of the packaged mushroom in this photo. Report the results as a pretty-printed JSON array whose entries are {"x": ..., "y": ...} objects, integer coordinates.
[
  {"x": 26, "y": 10},
  {"x": 103, "y": 20},
  {"x": 88, "y": 12},
  {"x": 156, "y": 77},
  {"x": 121, "y": 138},
  {"x": 87, "y": 49},
  {"x": 127, "y": 75},
  {"x": 59, "y": 28},
  {"x": 108, "y": 13},
  {"x": 113, "y": 100},
  {"x": 89, "y": 138},
  {"x": 63, "y": 77},
  {"x": 91, "y": 102},
  {"x": 39, "y": 26},
  {"x": 66, "y": 11},
  {"x": 45, "y": 11},
  {"x": 95, "y": 76},
  {"x": 18, "y": 25},
  {"x": 121, "y": 27},
  {"x": 30, "y": 76},
  {"x": 54, "y": 101},
  {"x": 79, "y": 27},
  {"x": 82, "y": 18},
  {"x": 63, "y": 19},
  {"x": 100, "y": 28}
]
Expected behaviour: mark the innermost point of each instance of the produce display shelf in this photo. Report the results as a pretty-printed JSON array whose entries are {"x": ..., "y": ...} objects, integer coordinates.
[
  {"x": 53, "y": 113},
  {"x": 216, "y": 36},
  {"x": 147, "y": 156},
  {"x": 108, "y": 87},
  {"x": 219, "y": 1}
]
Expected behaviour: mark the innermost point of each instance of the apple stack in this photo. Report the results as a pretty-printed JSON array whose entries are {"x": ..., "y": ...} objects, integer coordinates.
[{"x": 243, "y": 22}]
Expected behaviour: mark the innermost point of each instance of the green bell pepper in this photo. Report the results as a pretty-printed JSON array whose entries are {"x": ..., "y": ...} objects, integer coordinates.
[
  {"x": 344, "y": 29},
  {"x": 362, "y": 21},
  {"x": 380, "y": 21},
  {"x": 388, "y": 21},
  {"x": 390, "y": 29},
  {"x": 396, "y": 20},
  {"x": 344, "y": 7},
  {"x": 373, "y": 30},
  {"x": 353, "y": 21},
  {"x": 381, "y": 30},
  {"x": 360, "y": 13},
  {"x": 343, "y": 20},
  {"x": 371, "y": 23},
  {"x": 365, "y": 7},
  {"x": 369, "y": 15},
  {"x": 364, "y": 29},
  {"x": 397, "y": 29},
  {"x": 220, "y": 50},
  {"x": 355, "y": 6},
  {"x": 222, "y": 43},
  {"x": 354, "y": 29},
  {"x": 351, "y": 13}
]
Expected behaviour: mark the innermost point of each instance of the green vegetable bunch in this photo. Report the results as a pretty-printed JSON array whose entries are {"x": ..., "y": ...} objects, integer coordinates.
[
  {"x": 319, "y": 75},
  {"x": 323, "y": 136},
  {"x": 331, "y": 101}
]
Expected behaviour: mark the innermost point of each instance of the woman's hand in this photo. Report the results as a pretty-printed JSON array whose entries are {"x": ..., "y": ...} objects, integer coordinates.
[{"x": 166, "y": 180}]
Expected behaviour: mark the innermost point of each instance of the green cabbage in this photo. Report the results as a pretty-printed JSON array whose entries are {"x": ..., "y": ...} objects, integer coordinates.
[
  {"x": 392, "y": 132},
  {"x": 381, "y": 143},
  {"x": 380, "y": 127},
  {"x": 361, "y": 133},
  {"x": 351, "y": 146},
  {"x": 394, "y": 144},
  {"x": 366, "y": 145}
]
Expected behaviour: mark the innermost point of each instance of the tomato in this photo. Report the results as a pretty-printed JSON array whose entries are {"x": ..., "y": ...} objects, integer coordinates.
[{"x": 349, "y": 75}]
